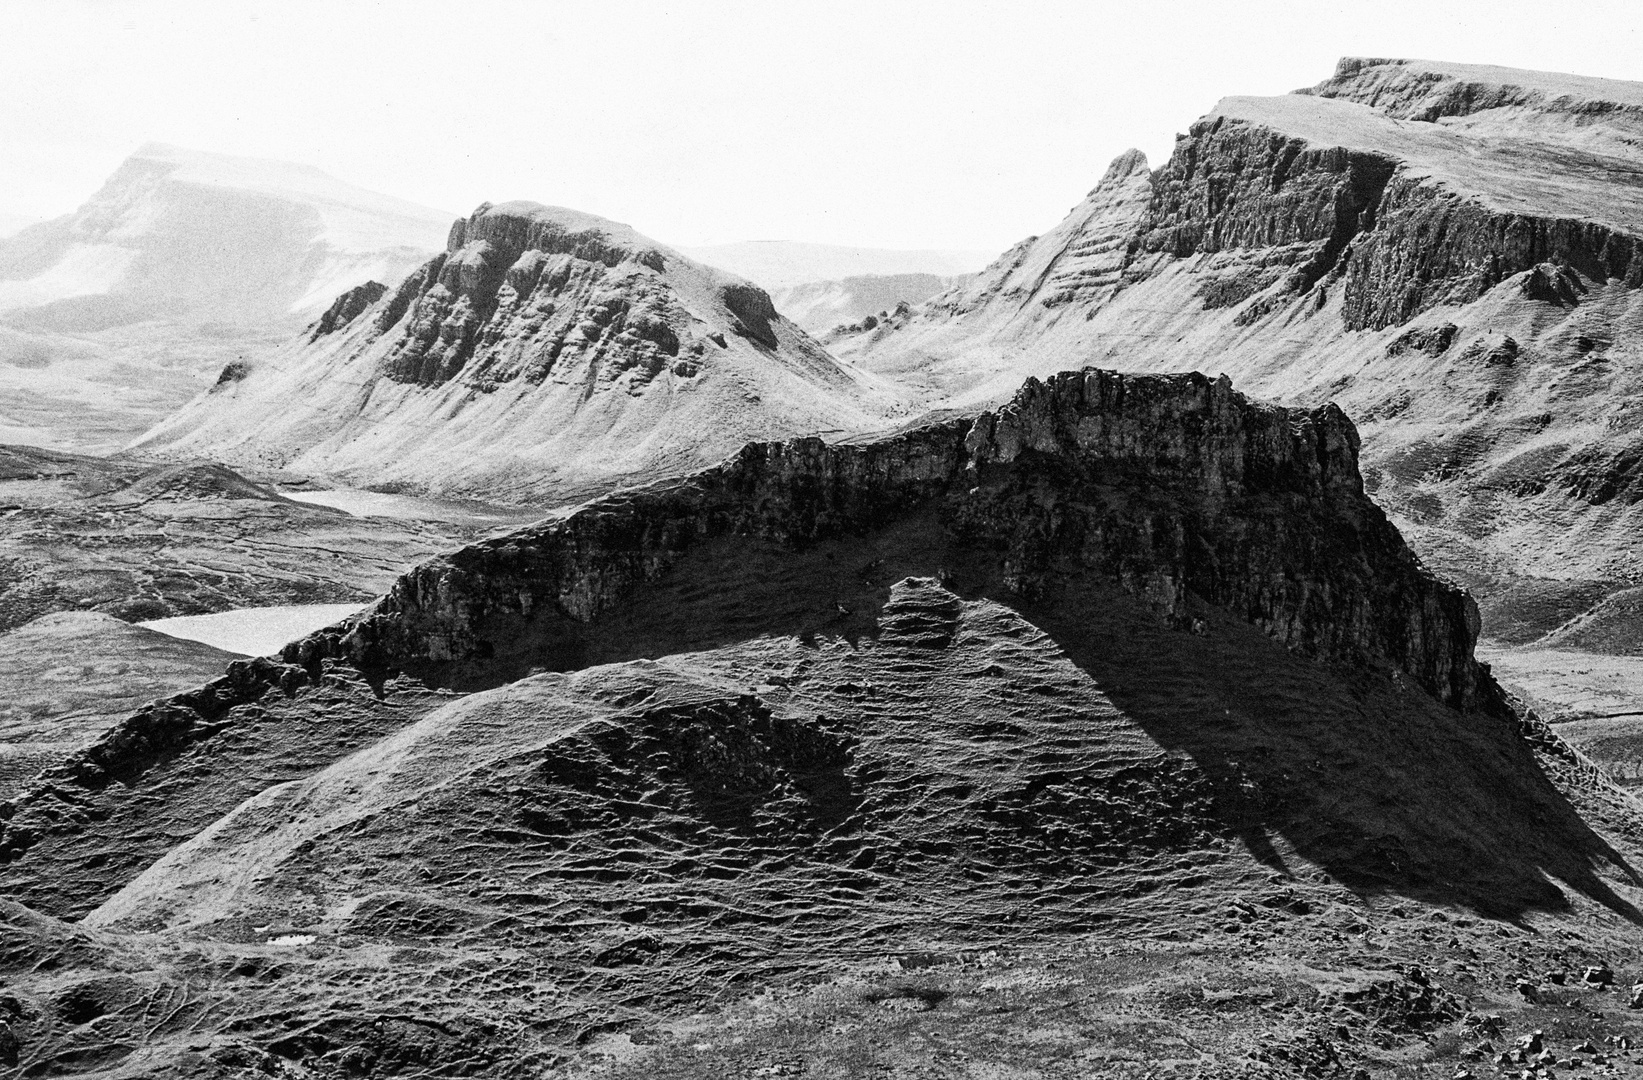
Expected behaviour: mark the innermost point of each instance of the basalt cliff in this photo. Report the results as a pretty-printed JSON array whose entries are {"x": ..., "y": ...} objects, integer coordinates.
[
  {"x": 1450, "y": 252},
  {"x": 547, "y": 354},
  {"x": 1105, "y": 655}
]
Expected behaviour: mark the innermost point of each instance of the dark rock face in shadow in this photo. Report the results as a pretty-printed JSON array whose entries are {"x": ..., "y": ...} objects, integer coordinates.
[
  {"x": 1165, "y": 484},
  {"x": 638, "y": 835},
  {"x": 1174, "y": 491}
]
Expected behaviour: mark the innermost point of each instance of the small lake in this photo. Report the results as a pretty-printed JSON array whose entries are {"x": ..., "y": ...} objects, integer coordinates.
[{"x": 254, "y": 631}]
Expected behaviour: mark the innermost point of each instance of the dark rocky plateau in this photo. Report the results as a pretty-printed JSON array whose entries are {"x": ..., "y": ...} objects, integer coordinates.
[{"x": 1111, "y": 726}]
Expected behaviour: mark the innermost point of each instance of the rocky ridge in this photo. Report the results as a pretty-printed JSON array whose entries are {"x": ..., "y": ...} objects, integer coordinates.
[
  {"x": 1451, "y": 253},
  {"x": 546, "y": 352},
  {"x": 1130, "y": 665},
  {"x": 822, "y": 306},
  {"x": 1177, "y": 489}
]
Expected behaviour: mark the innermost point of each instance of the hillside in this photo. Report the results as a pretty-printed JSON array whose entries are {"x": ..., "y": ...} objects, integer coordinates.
[
  {"x": 546, "y": 354},
  {"x": 1123, "y": 692},
  {"x": 1451, "y": 253},
  {"x": 71, "y": 675},
  {"x": 209, "y": 237},
  {"x": 116, "y": 314}
]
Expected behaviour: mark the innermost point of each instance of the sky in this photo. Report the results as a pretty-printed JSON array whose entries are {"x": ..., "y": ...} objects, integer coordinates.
[{"x": 959, "y": 125}]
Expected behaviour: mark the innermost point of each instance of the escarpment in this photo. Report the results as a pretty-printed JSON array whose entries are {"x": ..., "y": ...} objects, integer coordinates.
[
  {"x": 1426, "y": 91},
  {"x": 1173, "y": 487},
  {"x": 1397, "y": 185},
  {"x": 1432, "y": 248},
  {"x": 1300, "y": 243},
  {"x": 1236, "y": 186},
  {"x": 1404, "y": 217},
  {"x": 1360, "y": 220},
  {"x": 520, "y": 289},
  {"x": 1178, "y": 490}
]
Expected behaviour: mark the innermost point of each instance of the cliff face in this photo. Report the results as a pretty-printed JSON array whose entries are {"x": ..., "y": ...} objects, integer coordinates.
[
  {"x": 544, "y": 354},
  {"x": 1175, "y": 489},
  {"x": 1394, "y": 243},
  {"x": 1301, "y": 244}
]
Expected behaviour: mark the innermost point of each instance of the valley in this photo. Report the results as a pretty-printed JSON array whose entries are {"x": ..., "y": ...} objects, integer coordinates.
[{"x": 1204, "y": 642}]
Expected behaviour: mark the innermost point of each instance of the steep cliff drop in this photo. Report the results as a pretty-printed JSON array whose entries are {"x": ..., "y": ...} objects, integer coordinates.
[
  {"x": 546, "y": 354},
  {"x": 1124, "y": 686},
  {"x": 1450, "y": 252}
]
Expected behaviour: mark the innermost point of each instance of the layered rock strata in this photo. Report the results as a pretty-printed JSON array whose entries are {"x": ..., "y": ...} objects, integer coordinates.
[
  {"x": 545, "y": 354},
  {"x": 1451, "y": 253}
]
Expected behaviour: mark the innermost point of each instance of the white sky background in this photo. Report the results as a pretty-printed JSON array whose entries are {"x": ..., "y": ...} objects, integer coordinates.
[{"x": 903, "y": 125}]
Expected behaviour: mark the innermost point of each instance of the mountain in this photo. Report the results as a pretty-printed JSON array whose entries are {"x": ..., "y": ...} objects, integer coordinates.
[
  {"x": 1452, "y": 253},
  {"x": 1124, "y": 691},
  {"x": 183, "y": 234},
  {"x": 545, "y": 354},
  {"x": 113, "y": 316},
  {"x": 821, "y": 306},
  {"x": 782, "y": 264}
]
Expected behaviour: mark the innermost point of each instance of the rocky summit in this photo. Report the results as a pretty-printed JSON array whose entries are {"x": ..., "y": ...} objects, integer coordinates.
[
  {"x": 546, "y": 354},
  {"x": 925, "y": 737}
]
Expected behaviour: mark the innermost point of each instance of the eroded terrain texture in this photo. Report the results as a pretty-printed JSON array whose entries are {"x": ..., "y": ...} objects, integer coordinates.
[{"x": 1113, "y": 727}]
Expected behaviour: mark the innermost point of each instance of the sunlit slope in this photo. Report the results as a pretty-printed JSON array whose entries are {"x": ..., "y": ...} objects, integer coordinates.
[
  {"x": 546, "y": 354},
  {"x": 1450, "y": 253}
]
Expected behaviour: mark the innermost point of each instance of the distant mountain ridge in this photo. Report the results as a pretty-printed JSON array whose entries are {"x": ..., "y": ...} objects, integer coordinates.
[
  {"x": 184, "y": 233},
  {"x": 113, "y": 316},
  {"x": 822, "y": 306}
]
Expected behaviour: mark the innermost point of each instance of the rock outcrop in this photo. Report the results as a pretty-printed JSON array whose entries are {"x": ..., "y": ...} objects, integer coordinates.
[
  {"x": 1452, "y": 253},
  {"x": 1176, "y": 489},
  {"x": 1173, "y": 487},
  {"x": 545, "y": 354},
  {"x": 345, "y": 309}
]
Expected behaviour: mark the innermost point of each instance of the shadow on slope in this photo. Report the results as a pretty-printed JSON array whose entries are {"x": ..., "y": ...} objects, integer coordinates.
[
  {"x": 1139, "y": 498},
  {"x": 1361, "y": 773},
  {"x": 580, "y": 851}
]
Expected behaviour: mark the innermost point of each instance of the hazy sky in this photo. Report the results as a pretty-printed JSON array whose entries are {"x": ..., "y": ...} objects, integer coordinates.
[{"x": 953, "y": 124}]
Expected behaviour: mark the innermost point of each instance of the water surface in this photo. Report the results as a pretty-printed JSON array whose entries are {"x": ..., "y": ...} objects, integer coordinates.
[{"x": 254, "y": 631}]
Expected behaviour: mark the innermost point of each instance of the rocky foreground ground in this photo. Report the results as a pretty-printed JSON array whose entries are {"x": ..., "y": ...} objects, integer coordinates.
[{"x": 1113, "y": 732}]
